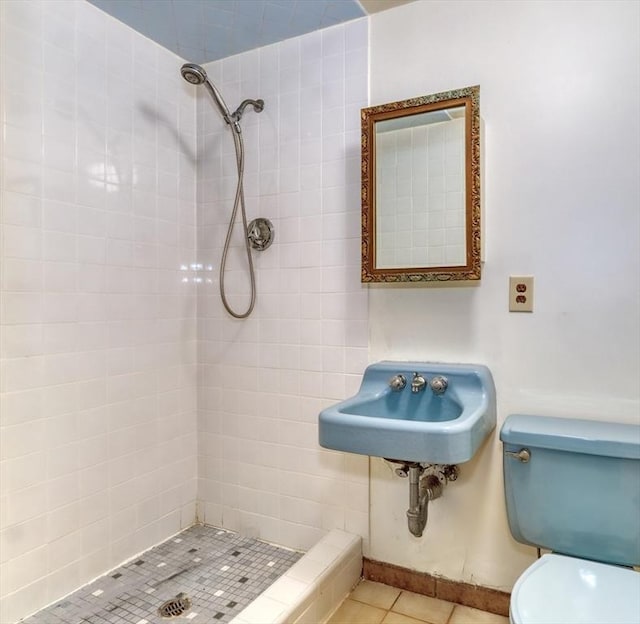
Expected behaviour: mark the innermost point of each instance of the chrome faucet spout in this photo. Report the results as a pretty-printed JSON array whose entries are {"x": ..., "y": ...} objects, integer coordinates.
[{"x": 418, "y": 383}]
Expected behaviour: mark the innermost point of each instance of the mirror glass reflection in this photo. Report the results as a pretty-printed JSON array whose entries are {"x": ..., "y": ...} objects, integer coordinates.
[{"x": 420, "y": 190}]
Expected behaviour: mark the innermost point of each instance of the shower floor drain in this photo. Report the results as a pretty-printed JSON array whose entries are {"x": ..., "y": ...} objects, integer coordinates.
[{"x": 175, "y": 607}]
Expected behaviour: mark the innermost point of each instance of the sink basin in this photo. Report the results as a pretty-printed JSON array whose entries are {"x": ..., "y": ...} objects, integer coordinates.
[{"x": 445, "y": 428}]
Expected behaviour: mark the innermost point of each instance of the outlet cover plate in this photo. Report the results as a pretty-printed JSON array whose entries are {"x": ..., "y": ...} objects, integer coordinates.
[{"x": 521, "y": 293}]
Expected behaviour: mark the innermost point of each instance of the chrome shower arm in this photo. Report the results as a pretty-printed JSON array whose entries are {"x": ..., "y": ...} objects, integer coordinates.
[{"x": 258, "y": 106}]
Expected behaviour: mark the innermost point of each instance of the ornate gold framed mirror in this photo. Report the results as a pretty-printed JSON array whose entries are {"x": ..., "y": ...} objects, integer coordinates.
[{"x": 421, "y": 189}]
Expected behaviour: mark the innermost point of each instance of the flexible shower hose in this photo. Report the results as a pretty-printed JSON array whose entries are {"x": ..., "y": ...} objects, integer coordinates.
[{"x": 238, "y": 202}]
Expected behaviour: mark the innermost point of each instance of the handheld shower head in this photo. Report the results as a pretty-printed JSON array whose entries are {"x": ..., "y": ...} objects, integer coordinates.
[
  {"x": 193, "y": 73},
  {"x": 196, "y": 75}
]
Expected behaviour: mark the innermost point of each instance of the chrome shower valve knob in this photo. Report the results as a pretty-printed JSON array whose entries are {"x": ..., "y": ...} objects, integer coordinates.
[{"x": 260, "y": 233}]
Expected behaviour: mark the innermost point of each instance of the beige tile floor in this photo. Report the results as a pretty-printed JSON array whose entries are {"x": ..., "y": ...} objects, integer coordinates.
[{"x": 374, "y": 603}]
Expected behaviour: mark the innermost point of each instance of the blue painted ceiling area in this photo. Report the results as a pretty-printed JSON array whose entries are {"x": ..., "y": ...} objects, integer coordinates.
[{"x": 206, "y": 30}]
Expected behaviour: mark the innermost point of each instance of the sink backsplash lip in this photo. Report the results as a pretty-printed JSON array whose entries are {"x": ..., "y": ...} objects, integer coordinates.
[{"x": 381, "y": 372}]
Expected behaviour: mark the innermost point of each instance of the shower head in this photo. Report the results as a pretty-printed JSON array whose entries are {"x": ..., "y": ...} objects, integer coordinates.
[
  {"x": 193, "y": 73},
  {"x": 196, "y": 75}
]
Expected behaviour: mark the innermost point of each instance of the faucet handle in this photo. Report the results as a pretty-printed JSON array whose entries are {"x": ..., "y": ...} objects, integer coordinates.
[
  {"x": 397, "y": 383},
  {"x": 439, "y": 384}
]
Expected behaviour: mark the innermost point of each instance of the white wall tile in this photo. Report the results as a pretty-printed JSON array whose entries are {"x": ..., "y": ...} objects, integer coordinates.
[
  {"x": 289, "y": 306},
  {"x": 63, "y": 253}
]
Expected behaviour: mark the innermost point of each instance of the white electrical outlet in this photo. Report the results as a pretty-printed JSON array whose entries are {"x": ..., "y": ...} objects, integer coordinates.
[{"x": 521, "y": 293}]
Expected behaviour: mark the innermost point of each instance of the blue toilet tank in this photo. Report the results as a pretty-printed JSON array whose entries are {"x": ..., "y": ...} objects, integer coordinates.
[{"x": 579, "y": 492}]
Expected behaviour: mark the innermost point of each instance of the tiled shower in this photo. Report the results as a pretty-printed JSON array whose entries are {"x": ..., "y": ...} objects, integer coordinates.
[{"x": 132, "y": 406}]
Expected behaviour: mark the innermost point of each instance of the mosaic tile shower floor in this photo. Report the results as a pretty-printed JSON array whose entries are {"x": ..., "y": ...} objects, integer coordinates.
[{"x": 221, "y": 573}]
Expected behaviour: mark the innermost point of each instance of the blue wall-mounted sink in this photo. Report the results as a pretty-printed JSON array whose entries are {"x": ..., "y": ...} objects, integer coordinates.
[{"x": 421, "y": 426}]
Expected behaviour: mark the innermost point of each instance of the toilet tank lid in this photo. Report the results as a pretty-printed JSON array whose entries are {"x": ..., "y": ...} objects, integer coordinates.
[{"x": 570, "y": 434}]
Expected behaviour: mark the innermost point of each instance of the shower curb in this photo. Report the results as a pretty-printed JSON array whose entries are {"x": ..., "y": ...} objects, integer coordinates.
[{"x": 311, "y": 590}]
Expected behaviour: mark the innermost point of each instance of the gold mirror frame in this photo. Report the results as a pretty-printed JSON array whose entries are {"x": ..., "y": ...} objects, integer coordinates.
[{"x": 468, "y": 97}]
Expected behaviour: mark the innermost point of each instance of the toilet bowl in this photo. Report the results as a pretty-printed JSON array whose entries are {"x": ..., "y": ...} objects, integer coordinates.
[
  {"x": 558, "y": 589},
  {"x": 573, "y": 487}
]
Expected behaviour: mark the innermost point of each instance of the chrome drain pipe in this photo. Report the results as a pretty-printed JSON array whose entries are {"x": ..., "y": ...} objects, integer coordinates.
[
  {"x": 421, "y": 491},
  {"x": 426, "y": 483}
]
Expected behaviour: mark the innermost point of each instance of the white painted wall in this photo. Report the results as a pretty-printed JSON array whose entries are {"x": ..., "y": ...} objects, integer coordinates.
[
  {"x": 560, "y": 100},
  {"x": 98, "y": 422}
]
